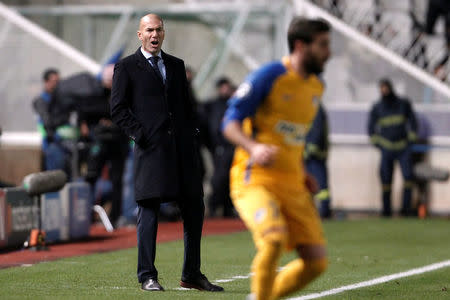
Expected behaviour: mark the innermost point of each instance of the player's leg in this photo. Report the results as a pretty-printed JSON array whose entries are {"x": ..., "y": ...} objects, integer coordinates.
[
  {"x": 260, "y": 211},
  {"x": 298, "y": 273},
  {"x": 265, "y": 263},
  {"x": 306, "y": 236}
]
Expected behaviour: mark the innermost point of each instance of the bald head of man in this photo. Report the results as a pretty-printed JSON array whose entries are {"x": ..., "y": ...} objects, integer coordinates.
[{"x": 151, "y": 33}]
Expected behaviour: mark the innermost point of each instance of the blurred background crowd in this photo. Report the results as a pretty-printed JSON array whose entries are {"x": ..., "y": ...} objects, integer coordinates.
[{"x": 58, "y": 58}]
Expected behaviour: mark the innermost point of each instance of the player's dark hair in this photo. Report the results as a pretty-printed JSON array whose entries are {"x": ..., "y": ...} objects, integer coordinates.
[
  {"x": 49, "y": 72},
  {"x": 305, "y": 30}
]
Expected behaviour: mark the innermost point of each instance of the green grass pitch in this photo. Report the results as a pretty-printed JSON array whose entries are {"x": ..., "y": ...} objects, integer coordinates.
[{"x": 358, "y": 250}]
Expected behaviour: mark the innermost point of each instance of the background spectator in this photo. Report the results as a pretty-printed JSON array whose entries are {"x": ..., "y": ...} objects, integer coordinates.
[
  {"x": 54, "y": 125},
  {"x": 89, "y": 95},
  {"x": 316, "y": 154},
  {"x": 221, "y": 150},
  {"x": 392, "y": 126}
]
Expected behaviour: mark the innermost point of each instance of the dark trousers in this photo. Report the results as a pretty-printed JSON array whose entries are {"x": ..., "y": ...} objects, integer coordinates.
[
  {"x": 58, "y": 155},
  {"x": 422, "y": 185},
  {"x": 220, "y": 183},
  {"x": 318, "y": 169},
  {"x": 192, "y": 212},
  {"x": 386, "y": 170},
  {"x": 114, "y": 152}
]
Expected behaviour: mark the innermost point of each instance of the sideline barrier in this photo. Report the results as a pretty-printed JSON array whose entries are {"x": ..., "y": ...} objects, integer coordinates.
[
  {"x": 66, "y": 214},
  {"x": 80, "y": 209},
  {"x": 18, "y": 211}
]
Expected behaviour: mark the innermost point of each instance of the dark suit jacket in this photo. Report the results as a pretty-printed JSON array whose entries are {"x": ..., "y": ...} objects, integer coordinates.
[{"x": 160, "y": 119}]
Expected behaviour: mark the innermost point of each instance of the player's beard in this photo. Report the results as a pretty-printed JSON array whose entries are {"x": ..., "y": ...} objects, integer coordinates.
[{"x": 312, "y": 65}]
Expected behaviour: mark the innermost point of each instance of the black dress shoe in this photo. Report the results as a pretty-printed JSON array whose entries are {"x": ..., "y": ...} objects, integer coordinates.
[
  {"x": 200, "y": 283},
  {"x": 151, "y": 285}
]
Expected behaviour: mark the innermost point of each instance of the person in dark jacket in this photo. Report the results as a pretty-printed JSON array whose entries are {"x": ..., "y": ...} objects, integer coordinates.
[
  {"x": 315, "y": 155},
  {"x": 54, "y": 125},
  {"x": 419, "y": 155},
  {"x": 392, "y": 127},
  {"x": 221, "y": 150},
  {"x": 437, "y": 8},
  {"x": 418, "y": 47},
  {"x": 150, "y": 102},
  {"x": 90, "y": 96}
]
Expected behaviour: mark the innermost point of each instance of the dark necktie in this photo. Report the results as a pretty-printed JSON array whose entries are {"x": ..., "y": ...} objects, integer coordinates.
[{"x": 154, "y": 63}]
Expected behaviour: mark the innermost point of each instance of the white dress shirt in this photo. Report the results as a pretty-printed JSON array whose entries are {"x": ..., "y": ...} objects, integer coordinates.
[{"x": 161, "y": 66}]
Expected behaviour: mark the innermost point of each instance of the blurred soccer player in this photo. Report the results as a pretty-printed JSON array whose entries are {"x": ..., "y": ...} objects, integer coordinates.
[{"x": 268, "y": 119}]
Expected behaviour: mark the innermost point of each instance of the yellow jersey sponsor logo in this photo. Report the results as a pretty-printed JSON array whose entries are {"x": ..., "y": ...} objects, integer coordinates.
[
  {"x": 294, "y": 133},
  {"x": 287, "y": 97}
]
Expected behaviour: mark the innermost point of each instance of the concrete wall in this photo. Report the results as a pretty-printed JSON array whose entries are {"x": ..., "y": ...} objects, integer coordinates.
[
  {"x": 17, "y": 162},
  {"x": 354, "y": 180},
  {"x": 355, "y": 183}
]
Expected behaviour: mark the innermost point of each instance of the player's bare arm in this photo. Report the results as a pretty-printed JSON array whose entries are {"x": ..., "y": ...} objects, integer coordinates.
[
  {"x": 311, "y": 183},
  {"x": 261, "y": 154}
]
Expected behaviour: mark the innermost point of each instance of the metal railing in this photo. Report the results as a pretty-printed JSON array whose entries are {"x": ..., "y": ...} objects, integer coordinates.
[{"x": 398, "y": 26}]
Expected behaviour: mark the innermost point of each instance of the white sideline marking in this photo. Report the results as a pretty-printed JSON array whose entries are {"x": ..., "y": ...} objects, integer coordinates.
[
  {"x": 376, "y": 281},
  {"x": 223, "y": 280},
  {"x": 354, "y": 286},
  {"x": 233, "y": 278},
  {"x": 113, "y": 288}
]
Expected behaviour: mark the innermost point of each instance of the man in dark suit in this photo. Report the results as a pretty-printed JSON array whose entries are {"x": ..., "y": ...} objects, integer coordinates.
[{"x": 150, "y": 103}]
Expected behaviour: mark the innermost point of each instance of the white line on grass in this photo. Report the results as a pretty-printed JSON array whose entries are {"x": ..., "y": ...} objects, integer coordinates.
[
  {"x": 376, "y": 281},
  {"x": 223, "y": 280},
  {"x": 26, "y": 265},
  {"x": 355, "y": 286},
  {"x": 233, "y": 278},
  {"x": 239, "y": 277}
]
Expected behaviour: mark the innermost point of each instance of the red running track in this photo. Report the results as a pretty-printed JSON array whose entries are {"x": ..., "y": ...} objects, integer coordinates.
[{"x": 102, "y": 241}]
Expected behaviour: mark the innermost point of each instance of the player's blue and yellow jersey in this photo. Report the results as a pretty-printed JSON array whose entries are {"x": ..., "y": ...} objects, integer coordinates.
[{"x": 276, "y": 106}]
